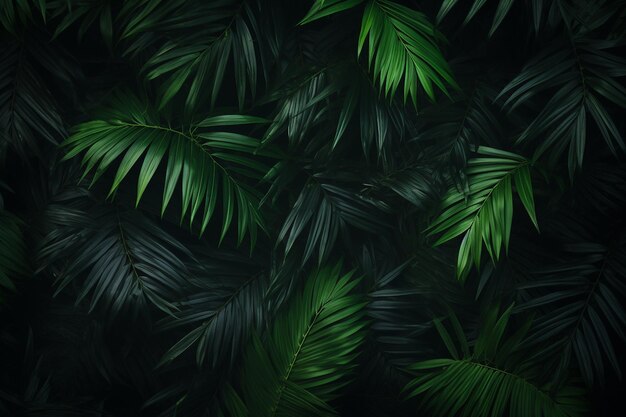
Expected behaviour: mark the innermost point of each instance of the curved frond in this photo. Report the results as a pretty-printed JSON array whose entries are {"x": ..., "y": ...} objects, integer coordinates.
[
  {"x": 15, "y": 13},
  {"x": 578, "y": 301},
  {"x": 85, "y": 12},
  {"x": 323, "y": 8},
  {"x": 12, "y": 252},
  {"x": 326, "y": 210},
  {"x": 491, "y": 380},
  {"x": 224, "y": 315},
  {"x": 486, "y": 213},
  {"x": 121, "y": 258},
  {"x": 403, "y": 48},
  {"x": 28, "y": 112},
  {"x": 582, "y": 79},
  {"x": 199, "y": 40},
  {"x": 310, "y": 351},
  {"x": 201, "y": 159},
  {"x": 504, "y": 6}
]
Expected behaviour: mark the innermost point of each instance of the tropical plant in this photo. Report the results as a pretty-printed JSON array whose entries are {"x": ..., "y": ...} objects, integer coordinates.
[{"x": 274, "y": 208}]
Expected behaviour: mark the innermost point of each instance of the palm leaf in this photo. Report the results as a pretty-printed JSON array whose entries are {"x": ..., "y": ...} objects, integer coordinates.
[
  {"x": 486, "y": 213},
  {"x": 124, "y": 260},
  {"x": 199, "y": 40},
  {"x": 203, "y": 160},
  {"x": 29, "y": 115},
  {"x": 14, "y": 13},
  {"x": 578, "y": 301},
  {"x": 327, "y": 209},
  {"x": 224, "y": 314},
  {"x": 490, "y": 381},
  {"x": 310, "y": 351},
  {"x": 323, "y": 8},
  {"x": 504, "y": 6},
  {"x": 582, "y": 79},
  {"x": 403, "y": 48},
  {"x": 87, "y": 12},
  {"x": 12, "y": 251}
]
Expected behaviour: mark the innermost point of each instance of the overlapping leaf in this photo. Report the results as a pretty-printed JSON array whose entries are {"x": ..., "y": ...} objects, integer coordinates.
[
  {"x": 224, "y": 316},
  {"x": 580, "y": 309},
  {"x": 29, "y": 116},
  {"x": 200, "y": 38},
  {"x": 12, "y": 251},
  {"x": 309, "y": 353},
  {"x": 403, "y": 48},
  {"x": 486, "y": 213},
  {"x": 326, "y": 209},
  {"x": 582, "y": 78},
  {"x": 501, "y": 11},
  {"x": 490, "y": 380},
  {"x": 203, "y": 160},
  {"x": 122, "y": 259}
]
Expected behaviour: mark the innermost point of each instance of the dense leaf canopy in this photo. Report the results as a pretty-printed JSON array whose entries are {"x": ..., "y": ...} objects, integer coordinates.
[{"x": 314, "y": 208}]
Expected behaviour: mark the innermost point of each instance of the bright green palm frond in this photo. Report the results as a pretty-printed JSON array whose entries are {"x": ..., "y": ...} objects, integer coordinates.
[
  {"x": 486, "y": 213},
  {"x": 403, "y": 48},
  {"x": 199, "y": 39},
  {"x": 12, "y": 251},
  {"x": 502, "y": 10},
  {"x": 323, "y": 8},
  {"x": 582, "y": 78},
  {"x": 492, "y": 380},
  {"x": 203, "y": 158},
  {"x": 310, "y": 351}
]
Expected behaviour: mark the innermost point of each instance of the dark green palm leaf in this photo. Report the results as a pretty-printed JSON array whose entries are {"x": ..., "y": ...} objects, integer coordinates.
[
  {"x": 85, "y": 12},
  {"x": 326, "y": 210},
  {"x": 224, "y": 314},
  {"x": 122, "y": 259},
  {"x": 12, "y": 251},
  {"x": 578, "y": 300},
  {"x": 504, "y": 6},
  {"x": 490, "y": 380},
  {"x": 323, "y": 8},
  {"x": 15, "y": 13},
  {"x": 198, "y": 40},
  {"x": 28, "y": 113},
  {"x": 582, "y": 80}
]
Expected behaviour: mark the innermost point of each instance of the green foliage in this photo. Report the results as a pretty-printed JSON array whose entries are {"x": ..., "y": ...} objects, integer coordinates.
[
  {"x": 310, "y": 350},
  {"x": 28, "y": 110},
  {"x": 504, "y": 6},
  {"x": 485, "y": 382},
  {"x": 402, "y": 47},
  {"x": 584, "y": 74},
  {"x": 127, "y": 260},
  {"x": 12, "y": 252},
  {"x": 200, "y": 38},
  {"x": 580, "y": 300},
  {"x": 380, "y": 146},
  {"x": 204, "y": 160},
  {"x": 485, "y": 214}
]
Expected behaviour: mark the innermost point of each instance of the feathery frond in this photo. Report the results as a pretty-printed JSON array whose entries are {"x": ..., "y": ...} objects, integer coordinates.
[
  {"x": 202, "y": 158},
  {"x": 486, "y": 213}
]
